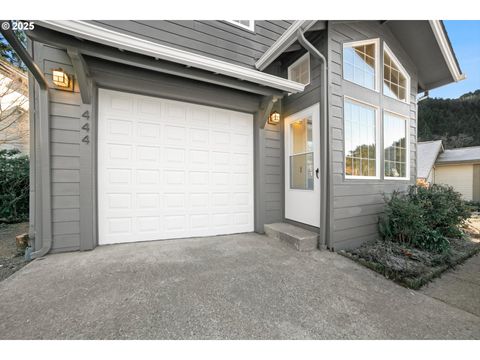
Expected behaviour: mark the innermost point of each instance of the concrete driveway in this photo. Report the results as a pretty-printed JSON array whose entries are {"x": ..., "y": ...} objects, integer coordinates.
[{"x": 230, "y": 287}]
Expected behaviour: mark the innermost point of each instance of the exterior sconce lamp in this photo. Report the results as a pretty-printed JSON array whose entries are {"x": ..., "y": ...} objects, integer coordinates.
[
  {"x": 62, "y": 80},
  {"x": 274, "y": 118}
]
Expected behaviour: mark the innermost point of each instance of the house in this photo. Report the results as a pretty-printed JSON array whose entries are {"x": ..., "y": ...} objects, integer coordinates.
[
  {"x": 459, "y": 168},
  {"x": 149, "y": 130},
  {"x": 14, "y": 120},
  {"x": 428, "y": 152}
]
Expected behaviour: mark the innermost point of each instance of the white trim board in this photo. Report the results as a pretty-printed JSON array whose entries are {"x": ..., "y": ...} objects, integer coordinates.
[
  {"x": 118, "y": 40},
  {"x": 447, "y": 52}
]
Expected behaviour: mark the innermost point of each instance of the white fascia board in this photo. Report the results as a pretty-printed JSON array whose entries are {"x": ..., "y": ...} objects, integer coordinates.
[
  {"x": 122, "y": 41},
  {"x": 283, "y": 42},
  {"x": 446, "y": 50}
]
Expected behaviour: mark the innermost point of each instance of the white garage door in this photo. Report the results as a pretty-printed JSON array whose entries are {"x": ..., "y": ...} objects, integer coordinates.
[{"x": 169, "y": 169}]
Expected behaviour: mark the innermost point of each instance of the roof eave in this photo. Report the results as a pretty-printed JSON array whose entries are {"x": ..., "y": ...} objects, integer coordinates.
[
  {"x": 443, "y": 41},
  {"x": 122, "y": 41}
]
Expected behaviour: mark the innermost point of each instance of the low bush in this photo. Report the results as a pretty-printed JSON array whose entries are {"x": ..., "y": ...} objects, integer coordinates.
[
  {"x": 14, "y": 185},
  {"x": 424, "y": 217}
]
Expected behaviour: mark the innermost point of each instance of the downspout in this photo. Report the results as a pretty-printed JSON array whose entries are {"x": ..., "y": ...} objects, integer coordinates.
[
  {"x": 324, "y": 123},
  {"x": 44, "y": 139}
]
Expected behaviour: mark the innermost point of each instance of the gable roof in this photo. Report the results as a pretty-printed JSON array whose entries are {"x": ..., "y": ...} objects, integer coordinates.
[
  {"x": 426, "y": 42},
  {"x": 427, "y": 154},
  {"x": 460, "y": 155}
]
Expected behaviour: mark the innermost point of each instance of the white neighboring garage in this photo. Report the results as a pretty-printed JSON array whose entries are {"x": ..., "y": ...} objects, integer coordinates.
[{"x": 170, "y": 169}]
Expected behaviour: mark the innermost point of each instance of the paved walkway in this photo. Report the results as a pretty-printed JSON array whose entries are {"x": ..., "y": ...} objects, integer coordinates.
[
  {"x": 460, "y": 287},
  {"x": 229, "y": 287}
]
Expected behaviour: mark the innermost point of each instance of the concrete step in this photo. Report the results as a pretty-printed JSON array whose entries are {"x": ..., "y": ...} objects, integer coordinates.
[{"x": 300, "y": 239}]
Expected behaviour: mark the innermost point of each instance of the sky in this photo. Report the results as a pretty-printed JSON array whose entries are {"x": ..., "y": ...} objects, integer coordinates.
[{"x": 465, "y": 38}]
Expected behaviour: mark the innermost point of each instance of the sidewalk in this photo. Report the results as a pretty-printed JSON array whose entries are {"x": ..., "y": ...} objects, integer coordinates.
[{"x": 460, "y": 287}]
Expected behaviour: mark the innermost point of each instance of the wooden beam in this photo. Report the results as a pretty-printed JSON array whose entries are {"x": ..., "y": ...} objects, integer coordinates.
[
  {"x": 82, "y": 74},
  {"x": 265, "y": 109}
]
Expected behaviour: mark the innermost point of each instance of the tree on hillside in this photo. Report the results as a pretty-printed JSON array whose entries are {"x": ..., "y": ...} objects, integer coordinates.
[{"x": 455, "y": 121}]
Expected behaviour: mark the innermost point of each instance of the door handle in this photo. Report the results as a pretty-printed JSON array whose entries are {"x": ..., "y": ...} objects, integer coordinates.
[{"x": 317, "y": 172}]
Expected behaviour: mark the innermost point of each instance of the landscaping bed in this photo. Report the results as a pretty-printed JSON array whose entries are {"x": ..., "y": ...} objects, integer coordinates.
[
  {"x": 408, "y": 266},
  {"x": 424, "y": 231},
  {"x": 11, "y": 258}
]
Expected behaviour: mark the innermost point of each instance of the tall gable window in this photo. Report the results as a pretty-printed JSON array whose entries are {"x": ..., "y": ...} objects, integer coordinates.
[
  {"x": 396, "y": 82},
  {"x": 246, "y": 24},
  {"x": 360, "y": 63},
  {"x": 361, "y": 155},
  {"x": 395, "y": 146},
  {"x": 299, "y": 71}
]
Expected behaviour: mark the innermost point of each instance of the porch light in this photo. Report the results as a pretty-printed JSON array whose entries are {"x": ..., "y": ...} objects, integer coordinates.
[
  {"x": 274, "y": 118},
  {"x": 62, "y": 80}
]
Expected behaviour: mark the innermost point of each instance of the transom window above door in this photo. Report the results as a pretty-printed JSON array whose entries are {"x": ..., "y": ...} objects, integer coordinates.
[
  {"x": 299, "y": 71},
  {"x": 301, "y": 155},
  {"x": 360, "y": 63},
  {"x": 361, "y": 155}
]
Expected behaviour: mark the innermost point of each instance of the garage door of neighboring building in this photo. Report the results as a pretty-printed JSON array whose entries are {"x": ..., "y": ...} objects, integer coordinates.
[{"x": 169, "y": 169}]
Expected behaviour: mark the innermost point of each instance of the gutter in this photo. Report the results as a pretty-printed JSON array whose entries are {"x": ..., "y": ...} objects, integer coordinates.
[
  {"x": 138, "y": 45},
  {"x": 44, "y": 138},
  {"x": 324, "y": 138},
  {"x": 283, "y": 42}
]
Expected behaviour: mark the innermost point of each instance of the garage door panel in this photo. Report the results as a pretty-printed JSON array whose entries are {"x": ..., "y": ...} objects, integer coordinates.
[
  {"x": 120, "y": 130},
  {"x": 199, "y": 138},
  {"x": 148, "y": 133},
  {"x": 170, "y": 169}
]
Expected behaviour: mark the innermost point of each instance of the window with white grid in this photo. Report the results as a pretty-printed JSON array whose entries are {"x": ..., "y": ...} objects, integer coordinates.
[
  {"x": 395, "y": 145},
  {"x": 299, "y": 71},
  {"x": 396, "y": 82},
  {"x": 361, "y": 155},
  {"x": 246, "y": 24},
  {"x": 360, "y": 63}
]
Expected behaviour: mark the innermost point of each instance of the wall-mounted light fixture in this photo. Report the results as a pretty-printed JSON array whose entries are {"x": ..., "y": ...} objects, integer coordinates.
[
  {"x": 62, "y": 80},
  {"x": 274, "y": 118}
]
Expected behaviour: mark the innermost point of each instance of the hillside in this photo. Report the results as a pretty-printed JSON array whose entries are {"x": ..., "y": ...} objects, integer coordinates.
[{"x": 455, "y": 121}]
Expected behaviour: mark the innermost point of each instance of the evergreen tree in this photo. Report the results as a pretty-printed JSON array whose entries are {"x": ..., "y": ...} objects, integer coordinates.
[
  {"x": 7, "y": 53},
  {"x": 455, "y": 121}
]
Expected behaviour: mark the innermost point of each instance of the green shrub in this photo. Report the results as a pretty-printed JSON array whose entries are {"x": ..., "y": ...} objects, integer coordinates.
[
  {"x": 444, "y": 209},
  {"x": 14, "y": 185},
  {"x": 424, "y": 217}
]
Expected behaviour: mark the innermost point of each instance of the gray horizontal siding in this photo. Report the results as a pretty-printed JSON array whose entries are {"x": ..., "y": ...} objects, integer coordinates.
[
  {"x": 357, "y": 204},
  {"x": 64, "y": 151},
  {"x": 273, "y": 174},
  {"x": 217, "y": 39}
]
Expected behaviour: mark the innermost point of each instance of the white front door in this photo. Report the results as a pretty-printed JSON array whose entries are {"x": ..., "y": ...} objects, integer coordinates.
[
  {"x": 169, "y": 169},
  {"x": 302, "y": 166}
]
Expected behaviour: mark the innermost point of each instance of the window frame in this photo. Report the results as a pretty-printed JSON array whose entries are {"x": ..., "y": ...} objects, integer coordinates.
[
  {"x": 393, "y": 58},
  {"x": 377, "y": 141},
  {"x": 250, "y": 27},
  {"x": 296, "y": 62},
  {"x": 376, "y": 42},
  {"x": 407, "y": 148}
]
